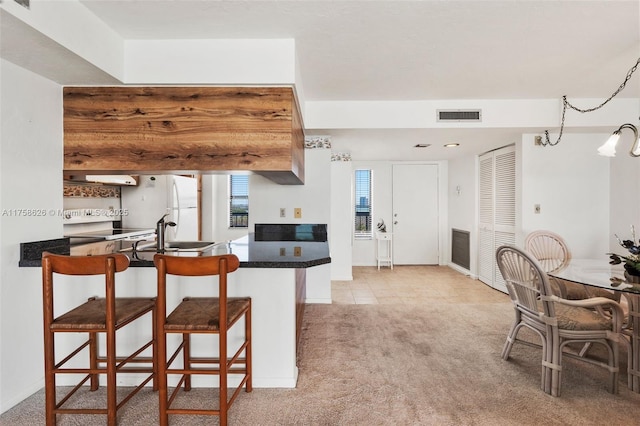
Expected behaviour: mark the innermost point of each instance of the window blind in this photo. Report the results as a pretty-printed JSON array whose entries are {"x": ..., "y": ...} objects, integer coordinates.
[
  {"x": 362, "y": 217},
  {"x": 238, "y": 201}
]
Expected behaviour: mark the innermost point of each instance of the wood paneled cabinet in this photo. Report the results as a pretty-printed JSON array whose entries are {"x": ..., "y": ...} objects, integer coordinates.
[{"x": 182, "y": 130}]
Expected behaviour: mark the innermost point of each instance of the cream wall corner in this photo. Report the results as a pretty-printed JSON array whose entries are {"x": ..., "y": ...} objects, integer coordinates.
[{"x": 30, "y": 181}]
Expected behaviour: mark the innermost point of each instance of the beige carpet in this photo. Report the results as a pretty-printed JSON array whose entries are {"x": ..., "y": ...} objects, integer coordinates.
[{"x": 401, "y": 364}]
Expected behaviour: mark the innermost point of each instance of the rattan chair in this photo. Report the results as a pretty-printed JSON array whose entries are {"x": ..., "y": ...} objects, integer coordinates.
[
  {"x": 552, "y": 253},
  {"x": 201, "y": 315},
  {"x": 98, "y": 315},
  {"x": 557, "y": 321}
]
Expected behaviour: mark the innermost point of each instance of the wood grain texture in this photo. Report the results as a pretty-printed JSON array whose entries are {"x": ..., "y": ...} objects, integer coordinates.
[{"x": 184, "y": 129}]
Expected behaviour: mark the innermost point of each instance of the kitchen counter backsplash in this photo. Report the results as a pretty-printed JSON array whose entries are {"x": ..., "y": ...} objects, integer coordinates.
[
  {"x": 291, "y": 232},
  {"x": 88, "y": 190},
  {"x": 31, "y": 253}
]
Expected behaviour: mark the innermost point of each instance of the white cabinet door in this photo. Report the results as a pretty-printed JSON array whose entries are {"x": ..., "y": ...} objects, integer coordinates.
[{"x": 415, "y": 214}]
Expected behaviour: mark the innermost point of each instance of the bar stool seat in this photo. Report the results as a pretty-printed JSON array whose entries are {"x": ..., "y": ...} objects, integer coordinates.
[
  {"x": 91, "y": 314},
  {"x": 203, "y": 313}
]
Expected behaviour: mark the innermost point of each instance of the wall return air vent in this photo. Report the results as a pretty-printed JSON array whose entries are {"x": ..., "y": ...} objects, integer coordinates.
[{"x": 459, "y": 115}]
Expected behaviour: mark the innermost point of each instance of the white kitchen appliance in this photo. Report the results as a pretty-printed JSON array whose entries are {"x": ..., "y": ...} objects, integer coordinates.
[{"x": 154, "y": 196}]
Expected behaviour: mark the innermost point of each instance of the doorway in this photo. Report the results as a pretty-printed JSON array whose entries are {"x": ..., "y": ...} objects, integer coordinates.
[{"x": 415, "y": 214}]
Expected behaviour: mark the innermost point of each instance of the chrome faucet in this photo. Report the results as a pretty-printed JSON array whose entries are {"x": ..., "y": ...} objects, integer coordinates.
[{"x": 161, "y": 225}]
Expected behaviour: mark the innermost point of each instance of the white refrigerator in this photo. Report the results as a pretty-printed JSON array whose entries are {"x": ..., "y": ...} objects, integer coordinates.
[{"x": 156, "y": 195}]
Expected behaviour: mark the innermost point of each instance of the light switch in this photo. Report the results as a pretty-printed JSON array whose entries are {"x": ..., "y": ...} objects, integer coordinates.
[
  {"x": 297, "y": 251},
  {"x": 536, "y": 208},
  {"x": 283, "y": 212},
  {"x": 297, "y": 213},
  {"x": 283, "y": 251}
]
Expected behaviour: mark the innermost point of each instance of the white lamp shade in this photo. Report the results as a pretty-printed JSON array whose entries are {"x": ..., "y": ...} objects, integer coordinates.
[
  {"x": 609, "y": 147},
  {"x": 636, "y": 148}
]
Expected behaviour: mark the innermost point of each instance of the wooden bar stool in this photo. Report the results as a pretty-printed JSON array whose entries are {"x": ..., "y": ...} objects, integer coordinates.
[
  {"x": 98, "y": 315},
  {"x": 202, "y": 315}
]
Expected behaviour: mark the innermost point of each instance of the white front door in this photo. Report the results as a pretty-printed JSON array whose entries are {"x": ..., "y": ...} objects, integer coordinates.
[{"x": 415, "y": 214}]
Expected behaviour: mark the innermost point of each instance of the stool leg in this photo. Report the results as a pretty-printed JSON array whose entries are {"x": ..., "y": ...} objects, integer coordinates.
[
  {"x": 186, "y": 354},
  {"x": 93, "y": 360},
  {"x": 223, "y": 379},
  {"x": 111, "y": 376},
  {"x": 154, "y": 347},
  {"x": 49, "y": 378},
  {"x": 161, "y": 362},
  {"x": 248, "y": 354}
]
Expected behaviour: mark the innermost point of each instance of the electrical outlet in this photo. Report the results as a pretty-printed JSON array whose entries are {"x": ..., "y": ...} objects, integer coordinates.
[
  {"x": 283, "y": 251},
  {"x": 297, "y": 213},
  {"x": 283, "y": 212},
  {"x": 297, "y": 251},
  {"x": 536, "y": 208}
]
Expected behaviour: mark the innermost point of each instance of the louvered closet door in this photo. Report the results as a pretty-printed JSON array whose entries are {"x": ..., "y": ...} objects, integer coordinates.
[
  {"x": 485, "y": 229},
  {"x": 497, "y": 208}
]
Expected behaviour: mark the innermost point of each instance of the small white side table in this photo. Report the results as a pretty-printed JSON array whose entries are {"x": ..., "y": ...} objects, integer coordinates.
[{"x": 384, "y": 255}]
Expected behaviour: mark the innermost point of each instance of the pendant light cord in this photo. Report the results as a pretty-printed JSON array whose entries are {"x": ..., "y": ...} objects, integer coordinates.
[{"x": 566, "y": 104}]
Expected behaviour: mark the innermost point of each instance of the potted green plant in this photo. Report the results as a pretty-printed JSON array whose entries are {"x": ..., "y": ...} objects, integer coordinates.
[{"x": 631, "y": 261}]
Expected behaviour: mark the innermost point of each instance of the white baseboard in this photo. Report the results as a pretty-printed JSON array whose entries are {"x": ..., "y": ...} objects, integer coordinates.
[
  {"x": 18, "y": 398},
  {"x": 342, "y": 278},
  {"x": 323, "y": 300},
  {"x": 462, "y": 270}
]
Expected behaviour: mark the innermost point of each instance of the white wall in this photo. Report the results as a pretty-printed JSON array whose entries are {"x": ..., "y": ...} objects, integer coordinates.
[
  {"x": 72, "y": 25},
  {"x": 30, "y": 178},
  {"x": 314, "y": 198},
  {"x": 571, "y": 184},
  {"x": 228, "y": 62},
  {"x": 462, "y": 190},
  {"x": 624, "y": 190},
  {"x": 341, "y": 230}
]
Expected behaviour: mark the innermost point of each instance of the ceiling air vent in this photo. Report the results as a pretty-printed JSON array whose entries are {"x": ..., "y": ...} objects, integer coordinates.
[{"x": 459, "y": 115}]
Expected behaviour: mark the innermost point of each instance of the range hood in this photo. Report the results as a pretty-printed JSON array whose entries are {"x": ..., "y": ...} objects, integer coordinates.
[
  {"x": 120, "y": 180},
  {"x": 112, "y": 179}
]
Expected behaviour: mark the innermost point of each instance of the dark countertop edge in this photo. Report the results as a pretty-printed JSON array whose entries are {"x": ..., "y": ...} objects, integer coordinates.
[
  {"x": 30, "y": 256},
  {"x": 24, "y": 263},
  {"x": 264, "y": 264},
  {"x": 289, "y": 264},
  {"x": 259, "y": 264}
]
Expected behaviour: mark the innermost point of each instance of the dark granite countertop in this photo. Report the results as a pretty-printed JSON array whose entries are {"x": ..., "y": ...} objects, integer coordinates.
[{"x": 252, "y": 253}]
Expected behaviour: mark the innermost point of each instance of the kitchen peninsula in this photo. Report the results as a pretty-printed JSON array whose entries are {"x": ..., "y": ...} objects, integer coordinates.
[{"x": 273, "y": 270}]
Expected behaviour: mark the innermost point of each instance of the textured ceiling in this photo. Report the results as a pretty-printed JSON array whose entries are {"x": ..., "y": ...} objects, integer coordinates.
[
  {"x": 406, "y": 50},
  {"x": 390, "y": 51}
]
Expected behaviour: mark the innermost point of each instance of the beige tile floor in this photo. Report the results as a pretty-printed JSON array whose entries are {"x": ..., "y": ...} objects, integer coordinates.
[{"x": 410, "y": 285}]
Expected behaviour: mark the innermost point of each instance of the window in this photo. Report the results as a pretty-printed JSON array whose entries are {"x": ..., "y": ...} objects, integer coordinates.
[
  {"x": 362, "y": 218},
  {"x": 238, "y": 201}
]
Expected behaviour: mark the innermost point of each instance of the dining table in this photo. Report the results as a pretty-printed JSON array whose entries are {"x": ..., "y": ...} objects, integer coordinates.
[{"x": 599, "y": 273}]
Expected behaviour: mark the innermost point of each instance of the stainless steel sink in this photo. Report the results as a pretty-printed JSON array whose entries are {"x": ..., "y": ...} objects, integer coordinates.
[
  {"x": 189, "y": 245},
  {"x": 173, "y": 246}
]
